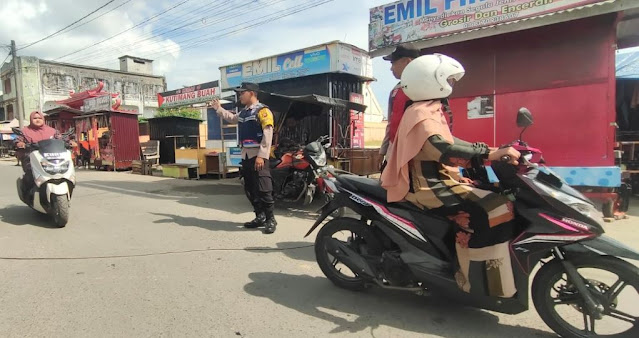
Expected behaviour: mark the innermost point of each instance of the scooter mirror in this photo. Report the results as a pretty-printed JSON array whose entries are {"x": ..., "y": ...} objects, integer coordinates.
[
  {"x": 524, "y": 118},
  {"x": 17, "y": 131}
]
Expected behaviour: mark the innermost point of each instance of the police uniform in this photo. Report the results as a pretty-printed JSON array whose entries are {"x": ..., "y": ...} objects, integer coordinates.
[{"x": 255, "y": 133}]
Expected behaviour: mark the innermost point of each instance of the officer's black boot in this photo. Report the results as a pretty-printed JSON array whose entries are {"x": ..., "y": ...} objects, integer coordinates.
[
  {"x": 271, "y": 223},
  {"x": 259, "y": 221}
]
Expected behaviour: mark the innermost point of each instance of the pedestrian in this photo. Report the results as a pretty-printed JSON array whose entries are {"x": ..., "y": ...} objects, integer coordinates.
[
  {"x": 255, "y": 128},
  {"x": 397, "y": 100}
]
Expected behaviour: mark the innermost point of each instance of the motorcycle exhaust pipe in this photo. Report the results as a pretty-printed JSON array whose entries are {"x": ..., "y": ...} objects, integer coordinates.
[{"x": 350, "y": 258}]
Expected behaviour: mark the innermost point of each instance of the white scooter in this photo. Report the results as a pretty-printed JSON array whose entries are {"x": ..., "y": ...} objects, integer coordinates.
[{"x": 54, "y": 177}]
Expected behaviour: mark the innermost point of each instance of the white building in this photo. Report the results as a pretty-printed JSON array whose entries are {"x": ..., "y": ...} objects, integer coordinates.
[{"x": 41, "y": 83}]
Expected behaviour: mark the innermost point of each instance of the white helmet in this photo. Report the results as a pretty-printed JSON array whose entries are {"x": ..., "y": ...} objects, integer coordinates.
[{"x": 431, "y": 77}]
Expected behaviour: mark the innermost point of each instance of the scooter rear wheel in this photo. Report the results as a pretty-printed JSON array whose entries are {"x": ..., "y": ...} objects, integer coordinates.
[{"x": 350, "y": 231}]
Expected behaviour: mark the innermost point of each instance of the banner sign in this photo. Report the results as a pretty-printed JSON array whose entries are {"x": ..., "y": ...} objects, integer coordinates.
[
  {"x": 201, "y": 93},
  {"x": 357, "y": 122},
  {"x": 412, "y": 20},
  {"x": 99, "y": 103},
  {"x": 234, "y": 157},
  {"x": 352, "y": 60},
  {"x": 286, "y": 66}
]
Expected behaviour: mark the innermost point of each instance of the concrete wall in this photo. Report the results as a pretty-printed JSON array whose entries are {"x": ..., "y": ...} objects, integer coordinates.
[
  {"x": 129, "y": 64},
  {"x": 29, "y": 84},
  {"x": 374, "y": 111}
]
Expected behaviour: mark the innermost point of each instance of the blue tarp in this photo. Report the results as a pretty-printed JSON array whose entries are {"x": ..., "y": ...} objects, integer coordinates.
[{"x": 627, "y": 65}]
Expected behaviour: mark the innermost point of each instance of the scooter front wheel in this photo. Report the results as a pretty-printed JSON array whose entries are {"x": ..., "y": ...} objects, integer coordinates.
[
  {"x": 60, "y": 210},
  {"x": 612, "y": 282}
]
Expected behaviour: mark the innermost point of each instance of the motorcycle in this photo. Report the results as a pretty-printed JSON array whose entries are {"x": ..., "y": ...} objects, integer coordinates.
[
  {"x": 295, "y": 172},
  {"x": 577, "y": 291},
  {"x": 54, "y": 177},
  {"x": 300, "y": 170},
  {"x": 299, "y": 174}
]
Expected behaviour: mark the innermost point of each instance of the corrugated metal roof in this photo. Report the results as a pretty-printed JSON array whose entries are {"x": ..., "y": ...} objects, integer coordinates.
[{"x": 575, "y": 13}]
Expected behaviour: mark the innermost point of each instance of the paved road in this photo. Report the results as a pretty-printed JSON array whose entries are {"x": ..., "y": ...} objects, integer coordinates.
[{"x": 146, "y": 256}]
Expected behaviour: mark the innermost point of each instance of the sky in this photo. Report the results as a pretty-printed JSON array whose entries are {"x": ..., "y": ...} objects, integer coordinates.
[{"x": 188, "y": 39}]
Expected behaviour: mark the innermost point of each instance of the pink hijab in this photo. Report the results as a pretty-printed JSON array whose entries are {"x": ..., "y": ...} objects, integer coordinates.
[
  {"x": 421, "y": 121},
  {"x": 35, "y": 134}
]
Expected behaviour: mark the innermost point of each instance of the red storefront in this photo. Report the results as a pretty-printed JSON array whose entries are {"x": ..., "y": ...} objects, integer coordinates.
[
  {"x": 110, "y": 135},
  {"x": 559, "y": 62}
]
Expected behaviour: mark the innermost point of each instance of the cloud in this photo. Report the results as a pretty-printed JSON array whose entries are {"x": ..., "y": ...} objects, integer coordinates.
[{"x": 175, "y": 53}]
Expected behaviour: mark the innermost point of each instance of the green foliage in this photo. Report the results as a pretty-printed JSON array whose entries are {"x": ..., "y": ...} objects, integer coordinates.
[{"x": 187, "y": 112}]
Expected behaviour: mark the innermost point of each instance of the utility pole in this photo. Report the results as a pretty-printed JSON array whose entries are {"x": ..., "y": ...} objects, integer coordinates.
[{"x": 17, "y": 89}]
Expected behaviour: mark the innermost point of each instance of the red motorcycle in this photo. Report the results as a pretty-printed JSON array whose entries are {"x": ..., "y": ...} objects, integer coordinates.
[{"x": 299, "y": 173}]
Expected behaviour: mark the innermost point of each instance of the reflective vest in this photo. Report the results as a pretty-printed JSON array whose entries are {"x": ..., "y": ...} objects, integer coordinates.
[{"x": 249, "y": 126}]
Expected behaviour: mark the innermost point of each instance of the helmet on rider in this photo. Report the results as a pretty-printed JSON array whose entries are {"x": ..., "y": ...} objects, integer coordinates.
[{"x": 431, "y": 77}]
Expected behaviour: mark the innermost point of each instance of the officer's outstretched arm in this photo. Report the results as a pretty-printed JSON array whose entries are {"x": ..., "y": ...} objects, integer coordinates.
[{"x": 227, "y": 115}]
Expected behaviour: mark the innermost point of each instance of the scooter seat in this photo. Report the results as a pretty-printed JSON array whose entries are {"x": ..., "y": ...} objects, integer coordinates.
[
  {"x": 365, "y": 185},
  {"x": 372, "y": 188},
  {"x": 274, "y": 163}
]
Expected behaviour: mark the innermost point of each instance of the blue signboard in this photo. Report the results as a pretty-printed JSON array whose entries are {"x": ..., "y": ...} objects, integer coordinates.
[
  {"x": 234, "y": 157},
  {"x": 292, "y": 65}
]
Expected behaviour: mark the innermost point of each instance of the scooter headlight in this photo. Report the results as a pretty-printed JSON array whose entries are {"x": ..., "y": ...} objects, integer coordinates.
[{"x": 54, "y": 168}]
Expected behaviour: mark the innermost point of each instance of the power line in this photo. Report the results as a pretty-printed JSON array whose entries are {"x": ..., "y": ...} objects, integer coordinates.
[
  {"x": 124, "y": 31},
  {"x": 265, "y": 20},
  {"x": 100, "y": 51},
  {"x": 73, "y": 23},
  {"x": 151, "y": 36},
  {"x": 145, "y": 37},
  {"x": 97, "y": 17},
  {"x": 211, "y": 36},
  {"x": 5, "y": 59},
  {"x": 101, "y": 59}
]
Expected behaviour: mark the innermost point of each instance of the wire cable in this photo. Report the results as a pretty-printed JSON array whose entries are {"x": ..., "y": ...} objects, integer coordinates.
[
  {"x": 73, "y": 23},
  {"x": 124, "y": 31},
  {"x": 163, "y": 253}
]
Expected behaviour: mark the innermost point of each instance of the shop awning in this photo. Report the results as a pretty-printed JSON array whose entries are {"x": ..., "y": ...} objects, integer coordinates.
[
  {"x": 307, "y": 104},
  {"x": 59, "y": 109}
]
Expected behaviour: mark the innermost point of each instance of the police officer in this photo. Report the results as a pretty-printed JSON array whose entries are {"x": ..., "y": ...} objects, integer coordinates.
[
  {"x": 255, "y": 129},
  {"x": 397, "y": 100}
]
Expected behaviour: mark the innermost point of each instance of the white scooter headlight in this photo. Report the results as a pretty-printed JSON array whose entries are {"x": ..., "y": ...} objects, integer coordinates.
[{"x": 55, "y": 168}]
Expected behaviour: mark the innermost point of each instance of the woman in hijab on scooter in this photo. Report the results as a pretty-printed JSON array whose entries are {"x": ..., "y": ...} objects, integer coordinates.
[
  {"x": 35, "y": 132},
  {"x": 427, "y": 177}
]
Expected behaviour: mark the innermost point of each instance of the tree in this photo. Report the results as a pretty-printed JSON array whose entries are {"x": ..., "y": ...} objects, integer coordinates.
[{"x": 188, "y": 112}]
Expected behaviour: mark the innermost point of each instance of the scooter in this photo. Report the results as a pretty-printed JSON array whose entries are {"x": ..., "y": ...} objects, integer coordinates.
[
  {"x": 584, "y": 287},
  {"x": 54, "y": 177}
]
